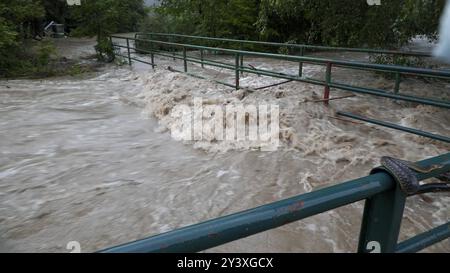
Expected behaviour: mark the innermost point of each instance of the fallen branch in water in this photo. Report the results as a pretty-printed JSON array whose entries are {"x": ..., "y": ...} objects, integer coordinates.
[
  {"x": 325, "y": 100},
  {"x": 254, "y": 68},
  {"x": 273, "y": 85}
]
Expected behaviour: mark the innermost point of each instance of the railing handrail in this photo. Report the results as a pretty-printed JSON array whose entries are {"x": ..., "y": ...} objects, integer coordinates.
[
  {"x": 243, "y": 224},
  {"x": 299, "y": 46},
  {"x": 315, "y": 60}
]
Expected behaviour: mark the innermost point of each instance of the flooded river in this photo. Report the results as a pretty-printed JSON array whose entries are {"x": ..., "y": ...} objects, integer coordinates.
[{"x": 88, "y": 159}]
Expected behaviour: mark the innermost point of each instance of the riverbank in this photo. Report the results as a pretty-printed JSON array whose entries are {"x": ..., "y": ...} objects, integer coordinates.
[{"x": 53, "y": 57}]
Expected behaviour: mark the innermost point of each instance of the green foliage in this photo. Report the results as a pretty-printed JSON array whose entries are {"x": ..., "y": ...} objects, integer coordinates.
[
  {"x": 103, "y": 17},
  {"x": 284, "y": 49},
  {"x": 104, "y": 49},
  {"x": 17, "y": 18},
  {"x": 7, "y": 35},
  {"x": 78, "y": 69},
  {"x": 21, "y": 20},
  {"x": 45, "y": 51},
  {"x": 21, "y": 15},
  {"x": 325, "y": 22},
  {"x": 36, "y": 60},
  {"x": 412, "y": 61},
  {"x": 164, "y": 23},
  {"x": 216, "y": 18}
]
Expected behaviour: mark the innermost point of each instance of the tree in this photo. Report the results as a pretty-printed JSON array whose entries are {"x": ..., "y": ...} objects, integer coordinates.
[
  {"x": 21, "y": 15},
  {"x": 104, "y": 17},
  {"x": 348, "y": 22},
  {"x": 325, "y": 22},
  {"x": 216, "y": 18},
  {"x": 17, "y": 22}
]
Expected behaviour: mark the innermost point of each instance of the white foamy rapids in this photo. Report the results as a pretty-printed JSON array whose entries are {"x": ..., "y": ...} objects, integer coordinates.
[
  {"x": 165, "y": 91},
  {"x": 306, "y": 126}
]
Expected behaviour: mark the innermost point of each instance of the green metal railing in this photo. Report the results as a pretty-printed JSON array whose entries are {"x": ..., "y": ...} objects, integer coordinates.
[
  {"x": 329, "y": 63},
  {"x": 396, "y": 127},
  {"x": 301, "y": 48},
  {"x": 172, "y": 50},
  {"x": 383, "y": 213}
]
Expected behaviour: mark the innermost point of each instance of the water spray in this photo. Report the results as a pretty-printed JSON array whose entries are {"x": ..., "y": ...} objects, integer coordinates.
[{"x": 442, "y": 51}]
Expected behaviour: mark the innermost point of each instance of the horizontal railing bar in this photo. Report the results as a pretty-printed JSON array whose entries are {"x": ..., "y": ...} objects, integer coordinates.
[
  {"x": 117, "y": 54},
  {"x": 425, "y": 239},
  {"x": 161, "y": 53},
  {"x": 396, "y": 127},
  {"x": 387, "y": 68},
  {"x": 269, "y": 71},
  {"x": 351, "y": 66},
  {"x": 328, "y": 48},
  {"x": 189, "y": 58},
  {"x": 226, "y": 229},
  {"x": 118, "y": 45},
  {"x": 232, "y": 67},
  {"x": 243, "y": 224},
  {"x": 139, "y": 60},
  {"x": 370, "y": 91},
  {"x": 252, "y": 71},
  {"x": 375, "y": 92},
  {"x": 210, "y": 62},
  {"x": 282, "y": 76},
  {"x": 393, "y": 72}
]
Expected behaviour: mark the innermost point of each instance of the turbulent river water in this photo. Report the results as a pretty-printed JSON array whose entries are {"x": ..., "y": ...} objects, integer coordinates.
[{"x": 88, "y": 159}]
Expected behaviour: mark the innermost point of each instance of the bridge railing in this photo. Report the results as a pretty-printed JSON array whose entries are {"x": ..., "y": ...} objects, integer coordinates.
[
  {"x": 300, "y": 48},
  {"x": 383, "y": 213},
  {"x": 184, "y": 52},
  {"x": 384, "y": 200},
  {"x": 238, "y": 67}
]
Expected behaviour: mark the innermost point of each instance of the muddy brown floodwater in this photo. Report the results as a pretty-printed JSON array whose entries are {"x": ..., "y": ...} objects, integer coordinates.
[{"x": 90, "y": 159}]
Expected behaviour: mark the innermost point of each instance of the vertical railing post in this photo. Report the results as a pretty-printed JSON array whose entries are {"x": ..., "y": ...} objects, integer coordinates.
[
  {"x": 397, "y": 82},
  {"x": 300, "y": 64},
  {"x": 152, "y": 55},
  {"x": 112, "y": 45},
  {"x": 202, "y": 58},
  {"x": 326, "y": 93},
  {"x": 381, "y": 222},
  {"x": 237, "y": 65},
  {"x": 185, "y": 59},
  {"x": 242, "y": 59},
  {"x": 129, "y": 53},
  {"x": 172, "y": 39}
]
